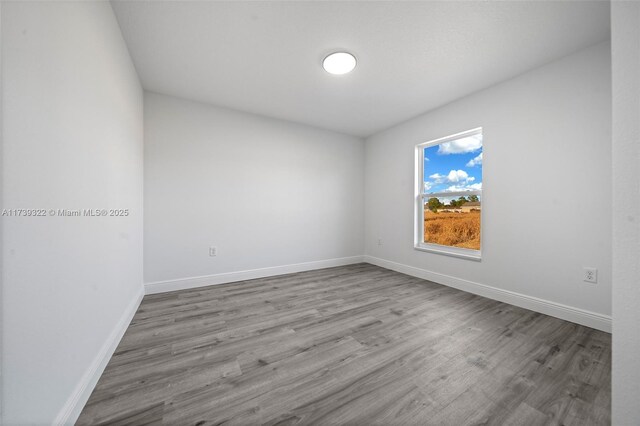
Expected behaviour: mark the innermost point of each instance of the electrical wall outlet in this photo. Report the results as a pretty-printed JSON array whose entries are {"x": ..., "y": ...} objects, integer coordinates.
[
  {"x": 213, "y": 251},
  {"x": 379, "y": 241},
  {"x": 590, "y": 275}
]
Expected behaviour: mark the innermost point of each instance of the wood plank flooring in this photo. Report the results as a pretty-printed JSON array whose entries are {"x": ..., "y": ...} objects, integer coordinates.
[{"x": 354, "y": 345}]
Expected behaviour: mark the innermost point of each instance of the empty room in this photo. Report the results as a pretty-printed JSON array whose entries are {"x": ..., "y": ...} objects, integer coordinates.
[{"x": 320, "y": 213}]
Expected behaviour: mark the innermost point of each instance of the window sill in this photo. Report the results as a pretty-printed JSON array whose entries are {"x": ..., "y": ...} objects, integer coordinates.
[{"x": 461, "y": 253}]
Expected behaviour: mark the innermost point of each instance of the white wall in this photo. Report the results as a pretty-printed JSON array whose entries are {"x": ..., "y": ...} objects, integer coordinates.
[
  {"x": 264, "y": 192},
  {"x": 73, "y": 139},
  {"x": 547, "y": 183},
  {"x": 625, "y": 40},
  {"x": 1, "y": 224}
]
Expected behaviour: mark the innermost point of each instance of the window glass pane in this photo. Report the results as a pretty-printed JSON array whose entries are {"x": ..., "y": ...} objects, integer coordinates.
[
  {"x": 453, "y": 221},
  {"x": 453, "y": 166}
]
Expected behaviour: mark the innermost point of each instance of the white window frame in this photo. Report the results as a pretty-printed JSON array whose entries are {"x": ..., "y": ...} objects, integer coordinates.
[{"x": 421, "y": 196}]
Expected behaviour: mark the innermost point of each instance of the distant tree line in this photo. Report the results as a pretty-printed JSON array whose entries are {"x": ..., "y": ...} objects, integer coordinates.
[{"x": 434, "y": 204}]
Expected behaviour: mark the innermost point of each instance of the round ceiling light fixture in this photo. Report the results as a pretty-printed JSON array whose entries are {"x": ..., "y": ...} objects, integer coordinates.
[{"x": 339, "y": 63}]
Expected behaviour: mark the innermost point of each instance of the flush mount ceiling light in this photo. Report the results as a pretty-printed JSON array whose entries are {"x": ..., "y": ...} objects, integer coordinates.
[{"x": 339, "y": 63}]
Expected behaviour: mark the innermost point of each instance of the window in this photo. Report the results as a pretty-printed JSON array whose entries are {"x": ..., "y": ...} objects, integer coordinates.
[{"x": 449, "y": 195}]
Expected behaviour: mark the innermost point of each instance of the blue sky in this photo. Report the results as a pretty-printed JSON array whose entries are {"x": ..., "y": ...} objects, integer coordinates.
[{"x": 454, "y": 166}]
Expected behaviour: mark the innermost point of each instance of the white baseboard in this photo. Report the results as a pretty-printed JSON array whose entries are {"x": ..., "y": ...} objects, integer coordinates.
[
  {"x": 558, "y": 310},
  {"x": 74, "y": 405},
  {"x": 229, "y": 277}
]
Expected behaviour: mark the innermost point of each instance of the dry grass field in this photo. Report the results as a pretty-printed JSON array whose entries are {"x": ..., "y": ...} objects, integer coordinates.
[{"x": 452, "y": 229}]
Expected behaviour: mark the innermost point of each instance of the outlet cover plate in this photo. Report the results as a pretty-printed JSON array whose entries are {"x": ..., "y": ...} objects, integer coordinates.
[{"x": 590, "y": 275}]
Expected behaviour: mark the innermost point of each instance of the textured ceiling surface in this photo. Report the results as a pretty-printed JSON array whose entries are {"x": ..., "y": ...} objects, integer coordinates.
[{"x": 265, "y": 57}]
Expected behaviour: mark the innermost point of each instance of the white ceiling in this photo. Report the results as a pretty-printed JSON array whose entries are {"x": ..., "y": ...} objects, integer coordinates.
[{"x": 265, "y": 57}]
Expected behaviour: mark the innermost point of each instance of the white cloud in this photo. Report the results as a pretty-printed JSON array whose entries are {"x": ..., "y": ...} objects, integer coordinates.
[
  {"x": 427, "y": 186},
  {"x": 438, "y": 178},
  {"x": 457, "y": 176},
  {"x": 475, "y": 162},
  {"x": 454, "y": 176},
  {"x": 461, "y": 146},
  {"x": 461, "y": 188},
  {"x": 426, "y": 159}
]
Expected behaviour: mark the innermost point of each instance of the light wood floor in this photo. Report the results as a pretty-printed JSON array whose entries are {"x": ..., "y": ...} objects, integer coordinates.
[{"x": 354, "y": 345}]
